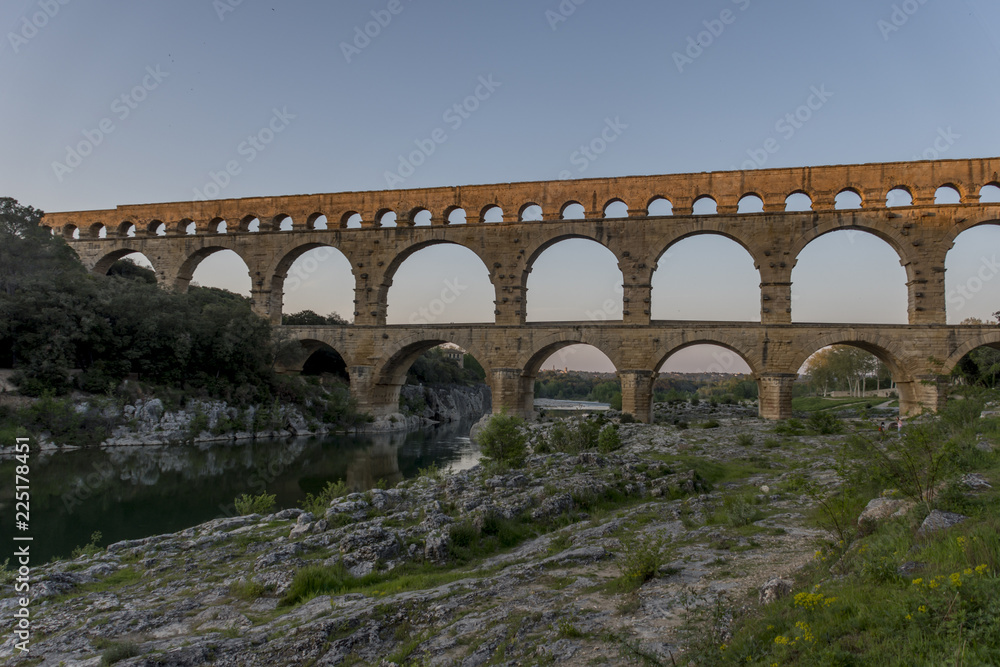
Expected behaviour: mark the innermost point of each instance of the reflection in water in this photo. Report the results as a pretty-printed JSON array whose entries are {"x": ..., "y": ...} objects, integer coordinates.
[{"x": 127, "y": 493}]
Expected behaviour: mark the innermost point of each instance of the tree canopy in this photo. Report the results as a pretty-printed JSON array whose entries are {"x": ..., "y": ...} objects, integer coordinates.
[{"x": 61, "y": 327}]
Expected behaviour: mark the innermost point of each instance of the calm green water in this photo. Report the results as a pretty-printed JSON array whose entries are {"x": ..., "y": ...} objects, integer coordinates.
[{"x": 128, "y": 493}]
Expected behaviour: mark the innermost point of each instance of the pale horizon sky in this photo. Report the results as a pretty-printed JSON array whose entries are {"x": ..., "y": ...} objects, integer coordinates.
[{"x": 162, "y": 95}]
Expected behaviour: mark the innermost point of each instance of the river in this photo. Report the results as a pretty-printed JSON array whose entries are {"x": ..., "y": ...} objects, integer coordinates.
[{"x": 134, "y": 492}]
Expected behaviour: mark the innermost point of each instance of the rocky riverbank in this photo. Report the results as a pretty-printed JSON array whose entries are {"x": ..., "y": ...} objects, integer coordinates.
[
  {"x": 149, "y": 422},
  {"x": 589, "y": 557}
]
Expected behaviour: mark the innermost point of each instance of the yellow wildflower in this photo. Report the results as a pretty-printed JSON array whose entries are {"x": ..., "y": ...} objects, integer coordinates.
[
  {"x": 781, "y": 639},
  {"x": 956, "y": 579},
  {"x": 918, "y": 581},
  {"x": 981, "y": 569},
  {"x": 909, "y": 617},
  {"x": 922, "y": 609}
]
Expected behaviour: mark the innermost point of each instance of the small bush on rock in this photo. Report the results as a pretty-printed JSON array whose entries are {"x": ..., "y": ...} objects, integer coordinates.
[
  {"x": 503, "y": 440},
  {"x": 247, "y": 504}
]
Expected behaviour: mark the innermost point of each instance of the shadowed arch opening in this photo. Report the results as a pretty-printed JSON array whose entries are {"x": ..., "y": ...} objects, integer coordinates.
[
  {"x": 989, "y": 194},
  {"x": 972, "y": 275},
  {"x": 422, "y": 218},
  {"x": 385, "y": 219},
  {"x": 317, "y": 221},
  {"x": 316, "y": 278},
  {"x": 455, "y": 216},
  {"x": 98, "y": 231},
  {"x": 685, "y": 286},
  {"x": 750, "y": 203},
  {"x": 947, "y": 194},
  {"x": 215, "y": 267},
  {"x": 218, "y": 226},
  {"x": 491, "y": 214},
  {"x": 422, "y": 363},
  {"x": 573, "y": 279},
  {"x": 438, "y": 283},
  {"x": 126, "y": 229},
  {"x": 104, "y": 265},
  {"x": 798, "y": 202},
  {"x": 157, "y": 228},
  {"x": 847, "y": 199},
  {"x": 187, "y": 227},
  {"x": 704, "y": 205},
  {"x": 660, "y": 207},
  {"x": 616, "y": 209},
  {"x": 326, "y": 361},
  {"x": 849, "y": 275},
  {"x": 352, "y": 220},
  {"x": 703, "y": 356},
  {"x": 839, "y": 371},
  {"x": 282, "y": 223},
  {"x": 979, "y": 367},
  {"x": 899, "y": 196},
  {"x": 572, "y": 371},
  {"x": 250, "y": 223},
  {"x": 531, "y": 213},
  {"x": 573, "y": 211}
]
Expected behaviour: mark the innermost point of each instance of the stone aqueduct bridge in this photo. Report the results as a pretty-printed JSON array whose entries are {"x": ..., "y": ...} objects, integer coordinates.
[{"x": 175, "y": 237}]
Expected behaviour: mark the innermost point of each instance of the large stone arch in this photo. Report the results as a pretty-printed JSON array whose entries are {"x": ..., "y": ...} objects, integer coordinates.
[
  {"x": 917, "y": 390},
  {"x": 538, "y": 246},
  {"x": 190, "y": 264},
  {"x": 990, "y": 339},
  {"x": 389, "y": 372},
  {"x": 703, "y": 228},
  {"x": 965, "y": 225},
  {"x": 744, "y": 349},
  {"x": 104, "y": 263},
  {"x": 277, "y": 273},
  {"x": 392, "y": 267},
  {"x": 294, "y": 352},
  {"x": 856, "y": 221}
]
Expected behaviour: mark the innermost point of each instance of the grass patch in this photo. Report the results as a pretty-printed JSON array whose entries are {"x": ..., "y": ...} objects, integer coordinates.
[
  {"x": 819, "y": 403},
  {"x": 315, "y": 580},
  {"x": 884, "y": 595}
]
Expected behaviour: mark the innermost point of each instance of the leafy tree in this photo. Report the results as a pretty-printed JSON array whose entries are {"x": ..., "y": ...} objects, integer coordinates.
[{"x": 310, "y": 318}]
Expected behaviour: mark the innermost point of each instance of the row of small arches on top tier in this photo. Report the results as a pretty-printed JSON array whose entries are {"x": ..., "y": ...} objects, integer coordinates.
[{"x": 615, "y": 209}]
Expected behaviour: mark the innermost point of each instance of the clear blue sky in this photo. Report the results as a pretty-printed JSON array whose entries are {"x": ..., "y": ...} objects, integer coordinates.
[{"x": 198, "y": 77}]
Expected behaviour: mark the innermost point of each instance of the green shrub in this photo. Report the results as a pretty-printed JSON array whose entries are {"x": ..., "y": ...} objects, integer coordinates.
[
  {"x": 608, "y": 439},
  {"x": 745, "y": 440},
  {"x": 824, "y": 423},
  {"x": 247, "y": 504},
  {"x": 503, "y": 440},
  {"x": 640, "y": 560},
  {"x": 117, "y": 652},
  {"x": 90, "y": 548},
  {"x": 316, "y": 504}
]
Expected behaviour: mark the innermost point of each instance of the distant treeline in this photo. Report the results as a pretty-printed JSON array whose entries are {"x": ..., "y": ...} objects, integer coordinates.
[{"x": 584, "y": 386}]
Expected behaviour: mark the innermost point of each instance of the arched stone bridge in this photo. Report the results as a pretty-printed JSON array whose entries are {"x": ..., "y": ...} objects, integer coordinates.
[{"x": 175, "y": 237}]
